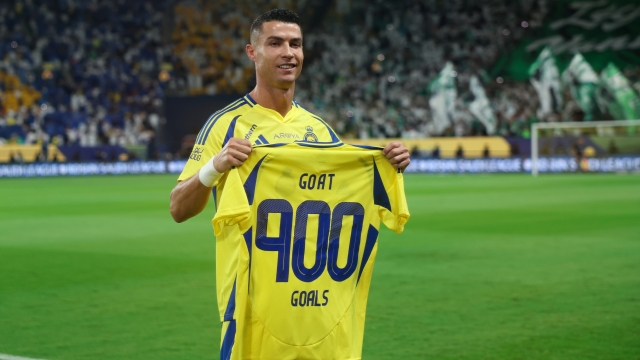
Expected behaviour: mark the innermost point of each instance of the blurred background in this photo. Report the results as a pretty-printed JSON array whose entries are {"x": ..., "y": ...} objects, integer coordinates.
[
  {"x": 490, "y": 266},
  {"x": 105, "y": 81}
]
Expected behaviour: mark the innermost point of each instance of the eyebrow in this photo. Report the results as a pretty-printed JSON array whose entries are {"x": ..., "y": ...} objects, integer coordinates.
[{"x": 281, "y": 39}]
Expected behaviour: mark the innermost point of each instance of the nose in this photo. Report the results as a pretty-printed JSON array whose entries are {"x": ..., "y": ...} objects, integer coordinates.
[{"x": 288, "y": 52}]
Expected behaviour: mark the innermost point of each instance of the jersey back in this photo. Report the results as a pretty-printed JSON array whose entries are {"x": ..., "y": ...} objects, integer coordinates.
[{"x": 310, "y": 217}]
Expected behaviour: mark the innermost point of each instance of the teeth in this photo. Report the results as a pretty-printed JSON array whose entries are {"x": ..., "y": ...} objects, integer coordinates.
[{"x": 286, "y": 66}]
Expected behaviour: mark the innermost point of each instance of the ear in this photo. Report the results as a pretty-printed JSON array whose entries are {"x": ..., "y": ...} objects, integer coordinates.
[{"x": 251, "y": 52}]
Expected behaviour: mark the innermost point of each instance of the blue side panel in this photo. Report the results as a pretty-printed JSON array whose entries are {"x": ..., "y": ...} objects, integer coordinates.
[
  {"x": 372, "y": 237},
  {"x": 230, "y": 131},
  {"x": 250, "y": 184},
  {"x": 334, "y": 137},
  {"x": 249, "y": 241},
  {"x": 231, "y": 305},
  {"x": 227, "y": 343},
  {"x": 215, "y": 197},
  {"x": 380, "y": 196}
]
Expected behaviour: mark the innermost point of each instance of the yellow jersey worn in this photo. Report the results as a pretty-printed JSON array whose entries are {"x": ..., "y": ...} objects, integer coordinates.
[
  {"x": 309, "y": 216},
  {"x": 246, "y": 119}
]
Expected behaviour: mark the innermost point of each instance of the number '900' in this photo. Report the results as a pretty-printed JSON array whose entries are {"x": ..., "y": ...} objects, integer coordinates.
[{"x": 327, "y": 243}]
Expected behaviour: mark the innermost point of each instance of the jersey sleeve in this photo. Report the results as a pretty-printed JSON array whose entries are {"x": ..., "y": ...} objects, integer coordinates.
[
  {"x": 392, "y": 205},
  {"x": 208, "y": 143},
  {"x": 233, "y": 206}
]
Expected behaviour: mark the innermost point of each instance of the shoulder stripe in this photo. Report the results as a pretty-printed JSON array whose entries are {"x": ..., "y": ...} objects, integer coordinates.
[
  {"x": 205, "y": 135},
  {"x": 334, "y": 137},
  {"x": 206, "y": 124}
]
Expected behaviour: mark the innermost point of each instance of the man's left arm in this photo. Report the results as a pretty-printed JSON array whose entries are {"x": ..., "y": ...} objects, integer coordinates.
[{"x": 397, "y": 154}]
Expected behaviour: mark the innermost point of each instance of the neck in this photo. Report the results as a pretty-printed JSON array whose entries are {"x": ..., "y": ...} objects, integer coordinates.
[{"x": 274, "y": 99}]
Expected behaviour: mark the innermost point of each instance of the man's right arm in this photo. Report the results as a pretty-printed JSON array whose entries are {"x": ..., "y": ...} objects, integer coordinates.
[{"x": 190, "y": 197}]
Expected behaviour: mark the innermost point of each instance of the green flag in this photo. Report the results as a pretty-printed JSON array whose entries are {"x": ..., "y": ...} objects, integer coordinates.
[
  {"x": 545, "y": 78},
  {"x": 582, "y": 81},
  {"x": 620, "y": 88}
]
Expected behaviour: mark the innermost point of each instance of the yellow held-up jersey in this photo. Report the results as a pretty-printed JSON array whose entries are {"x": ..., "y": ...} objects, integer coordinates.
[
  {"x": 246, "y": 119},
  {"x": 309, "y": 215}
]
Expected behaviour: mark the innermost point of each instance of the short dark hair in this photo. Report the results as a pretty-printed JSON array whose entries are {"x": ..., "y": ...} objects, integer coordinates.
[{"x": 282, "y": 15}]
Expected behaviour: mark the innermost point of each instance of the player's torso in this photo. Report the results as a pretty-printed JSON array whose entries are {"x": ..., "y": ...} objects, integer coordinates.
[{"x": 314, "y": 232}]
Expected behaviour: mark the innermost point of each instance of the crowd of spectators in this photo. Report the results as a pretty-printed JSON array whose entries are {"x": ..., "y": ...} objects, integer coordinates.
[
  {"x": 368, "y": 64},
  {"x": 81, "y": 72},
  {"x": 95, "y": 72}
]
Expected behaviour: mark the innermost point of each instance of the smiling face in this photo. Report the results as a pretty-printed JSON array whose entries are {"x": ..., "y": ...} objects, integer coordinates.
[{"x": 277, "y": 53}]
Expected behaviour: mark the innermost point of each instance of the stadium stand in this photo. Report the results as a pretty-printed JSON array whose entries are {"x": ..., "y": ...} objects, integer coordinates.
[
  {"x": 81, "y": 73},
  {"x": 88, "y": 74}
]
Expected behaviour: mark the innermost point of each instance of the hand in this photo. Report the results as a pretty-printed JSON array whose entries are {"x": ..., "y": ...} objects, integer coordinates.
[
  {"x": 398, "y": 155},
  {"x": 234, "y": 153}
]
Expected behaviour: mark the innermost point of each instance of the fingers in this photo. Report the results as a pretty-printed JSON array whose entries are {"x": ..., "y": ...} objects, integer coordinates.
[
  {"x": 397, "y": 154},
  {"x": 233, "y": 154},
  {"x": 240, "y": 145},
  {"x": 390, "y": 146},
  {"x": 236, "y": 157}
]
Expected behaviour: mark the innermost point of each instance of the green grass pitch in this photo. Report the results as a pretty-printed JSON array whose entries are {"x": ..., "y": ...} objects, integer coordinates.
[{"x": 489, "y": 267}]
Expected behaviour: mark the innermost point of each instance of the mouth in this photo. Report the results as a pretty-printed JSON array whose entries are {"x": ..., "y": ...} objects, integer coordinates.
[{"x": 286, "y": 66}]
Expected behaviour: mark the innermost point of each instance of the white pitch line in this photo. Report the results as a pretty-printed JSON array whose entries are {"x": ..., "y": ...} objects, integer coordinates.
[{"x": 11, "y": 357}]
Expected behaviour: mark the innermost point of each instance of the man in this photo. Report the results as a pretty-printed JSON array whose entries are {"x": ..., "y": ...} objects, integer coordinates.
[{"x": 268, "y": 114}]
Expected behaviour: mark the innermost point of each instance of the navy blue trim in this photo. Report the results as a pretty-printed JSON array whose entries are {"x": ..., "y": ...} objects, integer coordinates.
[
  {"x": 206, "y": 124},
  {"x": 251, "y": 99},
  {"x": 250, "y": 183},
  {"x": 334, "y": 137},
  {"x": 368, "y": 147},
  {"x": 230, "y": 131},
  {"x": 231, "y": 305},
  {"x": 206, "y": 134},
  {"x": 319, "y": 145},
  {"x": 215, "y": 197},
  {"x": 262, "y": 139},
  {"x": 273, "y": 145},
  {"x": 229, "y": 340},
  {"x": 249, "y": 241},
  {"x": 380, "y": 196},
  {"x": 372, "y": 238}
]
